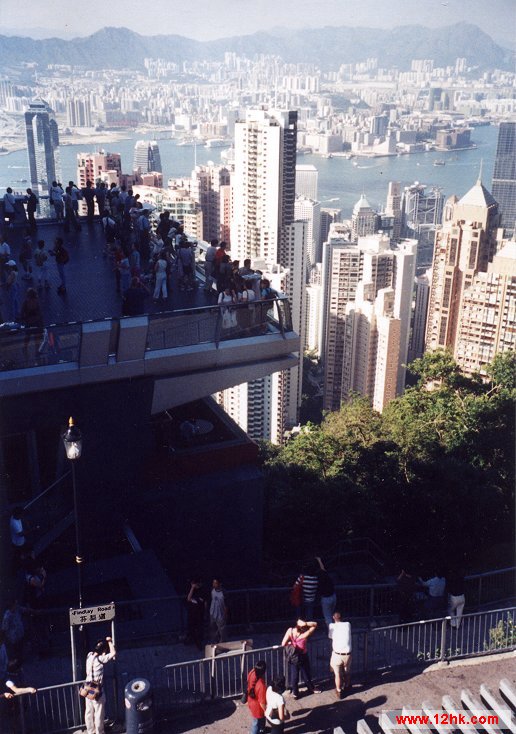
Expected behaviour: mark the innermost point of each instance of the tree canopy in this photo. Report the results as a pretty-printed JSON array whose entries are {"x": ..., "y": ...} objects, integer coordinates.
[{"x": 429, "y": 479}]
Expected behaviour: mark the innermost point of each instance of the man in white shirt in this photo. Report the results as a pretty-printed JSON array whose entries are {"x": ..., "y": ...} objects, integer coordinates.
[
  {"x": 103, "y": 652},
  {"x": 340, "y": 662}
]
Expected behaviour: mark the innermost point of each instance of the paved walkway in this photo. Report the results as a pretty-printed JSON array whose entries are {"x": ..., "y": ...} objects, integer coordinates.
[{"x": 91, "y": 288}]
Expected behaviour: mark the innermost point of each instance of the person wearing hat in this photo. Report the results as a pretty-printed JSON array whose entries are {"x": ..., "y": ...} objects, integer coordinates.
[
  {"x": 102, "y": 653},
  {"x": 12, "y": 288}
]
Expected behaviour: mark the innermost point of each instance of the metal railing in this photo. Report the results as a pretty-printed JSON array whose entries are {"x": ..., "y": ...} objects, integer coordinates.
[
  {"x": 181, "y": 685},
  {"x": 61, "y": 343}
]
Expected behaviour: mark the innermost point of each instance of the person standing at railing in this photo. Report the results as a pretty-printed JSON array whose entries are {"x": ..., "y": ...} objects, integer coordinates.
[
  {"x": 88, "y": 194},
  {"x": 456, "y": 598},
  {"x": 295, "y": 641},
  {"x": 196, "y": 604},
  {"x": 257, "y": 697},
  {"x": 62, "y": 257},
  {"x": 56, "y": 199},
  {"x": 9, "y": 206},
  {"x": 12, "y": 687},
  {"x": 435, "y": 585},
  {"x": 96, "y": 659},
  {"x": 276, "y": 712},
  {"x": 12, "y": 289},
  {"x": 326, "y": 589},
  {"x": 31, "y": 200},
  {"x": 209, "y": 265},
  {"x": 218, "y": 612},
  {"x": 160, "y": 271}
]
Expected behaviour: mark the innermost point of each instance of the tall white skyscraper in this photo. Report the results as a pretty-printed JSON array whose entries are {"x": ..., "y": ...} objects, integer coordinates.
[
  {"x": 42, "y": 145},
  {"x": 309, "y": 211},
  {"x": 263, "y": 228}
]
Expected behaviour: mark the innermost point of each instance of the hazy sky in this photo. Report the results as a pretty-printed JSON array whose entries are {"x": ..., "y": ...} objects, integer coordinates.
[{"x": 209, "y": 19}]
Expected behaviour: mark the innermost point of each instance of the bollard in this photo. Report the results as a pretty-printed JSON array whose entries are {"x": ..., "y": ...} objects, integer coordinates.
[{"x": 139, "y": 707}]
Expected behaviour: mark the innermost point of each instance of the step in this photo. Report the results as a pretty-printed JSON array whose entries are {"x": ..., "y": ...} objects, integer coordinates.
[
  {"x": 450, "y": 707},
  {"x": 500, "y": 709},
  {"x": 475, "y": 707}
]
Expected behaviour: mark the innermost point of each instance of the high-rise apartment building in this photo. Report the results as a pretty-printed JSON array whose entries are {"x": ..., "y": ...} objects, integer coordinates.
[
  {"x": 366, "y": 268},
  {"x": 263, "y": 229},
  {"x": 309, "y": 211},
  {"x": 419, "y": 316},
  {"x": 78, "y": 113},
  {"x": 42, "y": 145},
  {"x": 421, "y": 212},
  {"x": 328, "y": 217},
  {"x": 147, "y": 157},
  {"x": 464, "y": 247},
  {"x": 96, "y": 167},
  {"x": 306, "y": 180},
  {"x": 504, "y": 177},
  {"x": 206, "y": 183},
  {"x": 393, "y": 208},
  {"x": 487, "y": 324}
]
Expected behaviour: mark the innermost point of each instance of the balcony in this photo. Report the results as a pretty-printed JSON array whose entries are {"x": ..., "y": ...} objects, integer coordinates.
[{"x": 86, "y": 339}]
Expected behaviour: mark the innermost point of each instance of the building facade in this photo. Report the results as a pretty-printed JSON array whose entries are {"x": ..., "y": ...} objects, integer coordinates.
[
  {"x": 42, "y": 146},
  {"x": 504, "y": 177}
]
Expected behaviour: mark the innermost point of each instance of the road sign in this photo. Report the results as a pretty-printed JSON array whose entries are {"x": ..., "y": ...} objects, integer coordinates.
[{"x": 89, "y": 615}]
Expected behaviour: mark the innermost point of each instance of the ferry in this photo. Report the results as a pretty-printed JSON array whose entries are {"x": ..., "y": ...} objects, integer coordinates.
[
  {"x": 439, "y": 162},
  {"x": 217, "y": 143}
]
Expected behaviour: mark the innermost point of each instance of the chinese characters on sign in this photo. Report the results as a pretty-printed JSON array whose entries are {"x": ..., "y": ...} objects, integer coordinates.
[{"x": 89, "y": 615}]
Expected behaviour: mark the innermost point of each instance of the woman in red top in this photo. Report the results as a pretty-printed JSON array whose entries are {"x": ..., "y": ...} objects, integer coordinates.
[
  {"x": 296, "y": 639},
  {"x": 256, "y": 696}
]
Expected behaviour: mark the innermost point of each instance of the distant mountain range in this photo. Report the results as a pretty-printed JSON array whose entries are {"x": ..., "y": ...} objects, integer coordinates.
[{"x": 328, "y": 47}]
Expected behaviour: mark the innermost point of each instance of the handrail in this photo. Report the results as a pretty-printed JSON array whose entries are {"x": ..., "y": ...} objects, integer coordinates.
[{"x": 41, "y": 494}]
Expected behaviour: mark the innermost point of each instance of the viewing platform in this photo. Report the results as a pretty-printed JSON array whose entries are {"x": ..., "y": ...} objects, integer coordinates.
[{"x": 87, "y": 339}]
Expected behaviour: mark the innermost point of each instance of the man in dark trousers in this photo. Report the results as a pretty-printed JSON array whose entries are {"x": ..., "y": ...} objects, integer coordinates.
[{"x": 32, "y": 204}]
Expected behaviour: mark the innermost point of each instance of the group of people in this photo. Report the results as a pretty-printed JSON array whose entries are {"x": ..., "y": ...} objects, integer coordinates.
[
  {"x": 432, "y": 597},
  {"x": 267, "y": 704},
  {"x": 198, "y": 602}
]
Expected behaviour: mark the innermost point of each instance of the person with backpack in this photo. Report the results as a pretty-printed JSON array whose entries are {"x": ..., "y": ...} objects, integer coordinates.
[
  {"x": 295, "y": 642},
  {"x": 103, "y": 652},
  {"x": 62, "y": 258},
  {"x": 257, "y": 696}
]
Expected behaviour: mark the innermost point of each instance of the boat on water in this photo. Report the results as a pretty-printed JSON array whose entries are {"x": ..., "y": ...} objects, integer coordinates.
[
  {"x": 217, "y": 143},
  {"x": 439, "y": 162}
]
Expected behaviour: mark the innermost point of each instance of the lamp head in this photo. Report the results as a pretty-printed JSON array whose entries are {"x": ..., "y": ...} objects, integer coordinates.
[{"x": 72, "y": 440}]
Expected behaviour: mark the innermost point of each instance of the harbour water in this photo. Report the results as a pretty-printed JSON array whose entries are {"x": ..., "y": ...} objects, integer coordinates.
[{"x": 341, "y": 182}]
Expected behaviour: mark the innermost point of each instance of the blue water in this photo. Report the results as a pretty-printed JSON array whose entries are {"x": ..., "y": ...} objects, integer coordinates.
[{"x": 339, "y": 179}]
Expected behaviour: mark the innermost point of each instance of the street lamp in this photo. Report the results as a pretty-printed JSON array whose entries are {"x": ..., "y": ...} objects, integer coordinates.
[{"x": 72, "y": 440}]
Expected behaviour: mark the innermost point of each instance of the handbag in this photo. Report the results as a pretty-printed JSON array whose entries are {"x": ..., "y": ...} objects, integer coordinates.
[
  {"x": 296, "y": 594},
  {"x": 91, "y": 690},
  {"x": 293, "y": 652}
]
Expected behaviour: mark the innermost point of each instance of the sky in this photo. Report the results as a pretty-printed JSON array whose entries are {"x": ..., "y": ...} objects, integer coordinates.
[{"x": 211, "y": 19}]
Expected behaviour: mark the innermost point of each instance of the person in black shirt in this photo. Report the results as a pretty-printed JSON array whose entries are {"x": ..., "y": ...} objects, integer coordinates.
[
  {"x": 133, "y": 303},
  {"x": 32, "y": 204},
  {"x": 326, "y": 590}
]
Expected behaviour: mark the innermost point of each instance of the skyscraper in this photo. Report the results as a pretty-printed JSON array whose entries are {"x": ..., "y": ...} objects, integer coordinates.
[
  {"x": 464, "y": 247},
  {"x": 364, "y": 220},
  {"x": 367, "y": 303},
  {"x": 309, "y": 211},
  {"x": 504, "y": 176},
  {"x": 421, "y": 213},
  {"x": 78, "y": 112},
  {"x": 42, "y": 145},
  {"x": 206, "y": 183},
  {"x": 263, "y": 229},
  {"x": 147, "y": 157},
  {"x": 306, "y": 180}
]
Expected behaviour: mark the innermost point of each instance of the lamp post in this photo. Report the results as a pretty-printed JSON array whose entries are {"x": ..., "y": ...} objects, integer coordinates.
[{"x": 72, "y": 440}]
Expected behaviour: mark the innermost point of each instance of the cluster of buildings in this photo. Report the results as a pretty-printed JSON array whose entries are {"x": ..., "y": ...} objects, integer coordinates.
[{"x": 368, "y": 294}]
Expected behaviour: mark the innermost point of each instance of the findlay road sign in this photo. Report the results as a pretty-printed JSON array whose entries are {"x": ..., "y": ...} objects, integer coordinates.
[{"x": 88, "y": 615}]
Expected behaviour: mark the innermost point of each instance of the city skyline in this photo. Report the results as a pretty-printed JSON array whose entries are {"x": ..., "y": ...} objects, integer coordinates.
[{"x": 217, "y": 20}]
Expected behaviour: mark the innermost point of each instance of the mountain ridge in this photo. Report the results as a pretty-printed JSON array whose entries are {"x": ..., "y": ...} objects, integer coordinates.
[{"x": 328, "y": 47}]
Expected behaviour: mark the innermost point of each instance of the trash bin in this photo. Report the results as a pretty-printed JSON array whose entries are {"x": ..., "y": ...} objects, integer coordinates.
[{"x": 139, "y": 707}]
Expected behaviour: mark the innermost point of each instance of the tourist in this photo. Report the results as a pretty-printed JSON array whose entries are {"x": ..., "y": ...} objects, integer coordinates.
[
  {"x": 308, "y": 580},
  {"x": 31, "y": 200},
  {"x": 55, "y": 194},
  {"x": 340, "y": 662},
  {"x": 103, "y": 652},
  {"x": 14, "y": 630},
  {"x": 225, "y": 299},
  {"x": 70, "y": 204},
  {"x": 224, "y": 272},
  {"x": 160, "y": 270},
  {"x": 276, "y": 712},
  {"x": 12, "y": 289},
  {"x": 5, "y": 256},
  {"x": 25, "y": 256},
  {"x": 218, "y": 612},
  {"x": 455, "y": 584},
  {"x": 257, "y": 697},
  {"x": 186, "y": 265},
  {"x": 17, "y": 531},
  {"x": 40, "y": 259},
  {"x": 124, "y": 267},
  {"x": 88, "y": 194},
  {"x": 209, "y": 265},
  {"x": 295, "y": 641},
  {"x": 100, "y": 195},
  {"x": 326, "y": 589},
  {"x": 75, "y": 195},
  {"x": 246, "y": 269},
  {"x": 9, "y": 206},
  {"x": 62, "y": 258},
  {"x": 196, "y": 604},
  {"x": 435, "y": 586}
]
